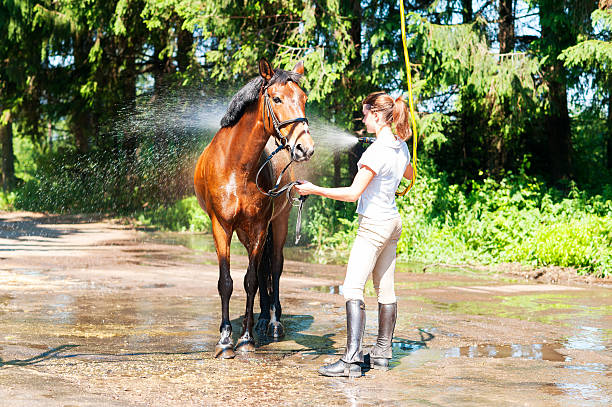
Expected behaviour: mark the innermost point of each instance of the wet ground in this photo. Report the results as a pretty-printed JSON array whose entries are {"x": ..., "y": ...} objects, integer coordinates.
[{"x": 95, "y": 313}]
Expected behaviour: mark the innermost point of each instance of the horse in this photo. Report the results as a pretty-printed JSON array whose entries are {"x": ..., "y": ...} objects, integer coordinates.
[{"x": 269, "y": 110}]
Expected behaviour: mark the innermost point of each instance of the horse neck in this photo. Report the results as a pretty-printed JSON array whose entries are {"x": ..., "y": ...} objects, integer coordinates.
[{"x": 248, "y": 138}]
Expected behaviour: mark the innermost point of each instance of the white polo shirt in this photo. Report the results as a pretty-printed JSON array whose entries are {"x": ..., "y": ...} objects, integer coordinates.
[{"x": 388, "y": 157}]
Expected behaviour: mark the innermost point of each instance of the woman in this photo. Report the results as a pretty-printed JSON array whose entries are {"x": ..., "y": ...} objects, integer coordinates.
[{"x": 380, "y": 171}]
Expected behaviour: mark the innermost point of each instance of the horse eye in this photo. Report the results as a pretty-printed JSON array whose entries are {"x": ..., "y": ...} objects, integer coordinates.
[{"x": 276, "y": 100}]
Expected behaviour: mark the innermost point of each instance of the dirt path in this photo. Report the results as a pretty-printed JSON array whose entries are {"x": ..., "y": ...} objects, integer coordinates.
[{"x": 95, "y": 313}]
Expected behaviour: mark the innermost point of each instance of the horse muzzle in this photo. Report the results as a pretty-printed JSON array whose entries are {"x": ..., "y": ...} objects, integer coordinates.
[
  {"x": 301, "y": 152},
  {"x": 303, "y": 146}
]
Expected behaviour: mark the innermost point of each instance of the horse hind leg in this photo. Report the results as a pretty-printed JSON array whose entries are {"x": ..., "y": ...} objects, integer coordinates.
[
  {"x": 225, "y": 347},
  {"x": 275, "y": 327},
  {"x": 256, "y": 241},
  {"x": 264, "y": 275}
]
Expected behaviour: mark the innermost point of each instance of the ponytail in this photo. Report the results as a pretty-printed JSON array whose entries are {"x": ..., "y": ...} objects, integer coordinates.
[
  {"x": 393, "y": 111},
  {"x": 401, "y": 119}
]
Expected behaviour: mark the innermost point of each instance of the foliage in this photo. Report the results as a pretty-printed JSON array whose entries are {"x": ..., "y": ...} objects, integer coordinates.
[
  {"x": 517, "y": 219},
  {"x": 183, "y": 215},
  {"x": 115, "y": 182},
  {"x": 7, "y": 201},
  {"x": 330, "y": 227},
  {"x": 71, "y": 71}
]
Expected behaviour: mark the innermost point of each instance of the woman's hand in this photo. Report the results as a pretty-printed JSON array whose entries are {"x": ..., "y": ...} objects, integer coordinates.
[{"x": 305, "y": 188}]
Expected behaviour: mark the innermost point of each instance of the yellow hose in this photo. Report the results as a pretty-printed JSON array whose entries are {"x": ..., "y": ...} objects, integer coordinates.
[{"x": 410, "y": 104}]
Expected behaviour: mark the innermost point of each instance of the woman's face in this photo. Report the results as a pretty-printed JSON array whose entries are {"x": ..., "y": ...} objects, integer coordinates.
[{"x": 369, "y": 119}]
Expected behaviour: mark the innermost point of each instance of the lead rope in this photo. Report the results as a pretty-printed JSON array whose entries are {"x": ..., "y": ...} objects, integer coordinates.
[
  {"x": 298, "y": 222},
  {"x": 275, "y": 191}
]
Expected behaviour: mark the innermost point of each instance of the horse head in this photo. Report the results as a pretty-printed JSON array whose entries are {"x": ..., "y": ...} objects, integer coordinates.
[{"x": 284, "y": 109}]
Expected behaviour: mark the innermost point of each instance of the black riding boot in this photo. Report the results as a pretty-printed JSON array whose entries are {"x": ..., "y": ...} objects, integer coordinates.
[
  {"x": 380, "y": 353},
  {"x": 349, "y": 364}
]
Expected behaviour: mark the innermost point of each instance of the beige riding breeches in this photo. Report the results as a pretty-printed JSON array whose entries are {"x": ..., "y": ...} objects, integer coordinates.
[{"x": 374, "y": 251}]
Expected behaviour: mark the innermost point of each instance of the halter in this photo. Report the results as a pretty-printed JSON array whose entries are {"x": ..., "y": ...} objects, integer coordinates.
[
  {"x": 281, "y": 141},
  {"x": 277, "y": 124}
]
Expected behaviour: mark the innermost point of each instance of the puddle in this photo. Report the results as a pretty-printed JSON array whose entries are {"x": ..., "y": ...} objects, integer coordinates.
[
  {"x": 543, "y": 307},
  {"x": 589, "y": 338},
  {"x": 167, "y": 337},
  {"x": 205, "y": 243},
  {"x": 590, "y": 367},
  {"x": 403, "y": 349},
  {"x": 590, "y": 394},
  {"x": 328, "y": 289},
  {"x": 536, "y": 352},
  {"x": 6, "y": 298},
  {"x": 61, "y": 309},
  {"x": 157, "y": 285},
  {"x": 369, "y": 290}
]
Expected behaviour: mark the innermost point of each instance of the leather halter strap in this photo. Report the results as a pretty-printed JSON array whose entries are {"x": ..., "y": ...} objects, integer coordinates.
[
  {"x": 282, "y": 143},
  {"x": 277, "y": 124}
]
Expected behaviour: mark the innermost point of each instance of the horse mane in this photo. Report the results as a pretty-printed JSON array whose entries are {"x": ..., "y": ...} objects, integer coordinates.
[{"x": 250, "y": 92}]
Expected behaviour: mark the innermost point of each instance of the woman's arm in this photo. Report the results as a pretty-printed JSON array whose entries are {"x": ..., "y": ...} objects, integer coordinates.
[
  {"x": 408, "y": 172},
  {"x": 347, "y": 194}
]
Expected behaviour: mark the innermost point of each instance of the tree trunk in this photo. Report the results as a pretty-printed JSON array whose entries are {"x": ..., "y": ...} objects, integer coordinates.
[
  {"x": 609, "y": 143},
  {"x": 497, "y": 147},
  {"x": 50, "y": 135},
  {"x": 162, "y": 67},
  {"x": 557, "y": 121},
  {"x": 81, "y": 121},
  {"x": 558, "y": 125},
  {"x": 184, "y": 45},
  {"x": 506, "y": 26},
  {"x": 8, "y": 158},
  {"x": 127, "y": 82},
  {"x": 467, "y": 11}
]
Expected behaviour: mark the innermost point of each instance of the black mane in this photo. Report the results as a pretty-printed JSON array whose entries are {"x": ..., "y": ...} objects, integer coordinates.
[{"x": 250, "y": 93}]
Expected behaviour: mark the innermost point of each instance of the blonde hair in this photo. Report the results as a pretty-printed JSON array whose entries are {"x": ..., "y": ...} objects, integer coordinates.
[{"x": 393, "y": 112}]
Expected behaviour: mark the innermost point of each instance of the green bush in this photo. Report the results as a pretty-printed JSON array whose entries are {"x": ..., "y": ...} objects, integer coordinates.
[
  {"x": 107, "y": 181},
  {"x": 184, "y": 215},
  {"x": 516, "y": 219},
  {"x": 7, "y": 201}
]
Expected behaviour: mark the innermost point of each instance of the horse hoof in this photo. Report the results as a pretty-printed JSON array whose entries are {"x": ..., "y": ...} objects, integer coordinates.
[
  {"x": 262, "y": 325},
  {"x": 224, "y": 351},
  {"x": 247, "y": 345},
  {"x": 275, "y": 330}
]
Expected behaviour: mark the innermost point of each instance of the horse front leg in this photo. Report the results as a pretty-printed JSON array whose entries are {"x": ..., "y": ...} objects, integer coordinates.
[
  {"x": 225, "y": 347},
  {"x": 279, "y": 230},
  {"x": 257, "y": 238}
]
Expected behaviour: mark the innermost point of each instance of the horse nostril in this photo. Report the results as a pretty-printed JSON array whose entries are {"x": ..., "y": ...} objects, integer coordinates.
[{"x": 300, "y": 152}]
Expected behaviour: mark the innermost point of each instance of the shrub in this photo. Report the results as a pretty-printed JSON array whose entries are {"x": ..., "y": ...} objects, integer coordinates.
[{"x": 516, "y": 219}]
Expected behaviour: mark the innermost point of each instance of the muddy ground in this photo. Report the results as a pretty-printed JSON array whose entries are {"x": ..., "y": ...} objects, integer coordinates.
[{"x": 96, "y": 313}]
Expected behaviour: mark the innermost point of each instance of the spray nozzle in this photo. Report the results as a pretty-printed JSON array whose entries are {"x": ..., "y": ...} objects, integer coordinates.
[{"x": 368, "y": 140}]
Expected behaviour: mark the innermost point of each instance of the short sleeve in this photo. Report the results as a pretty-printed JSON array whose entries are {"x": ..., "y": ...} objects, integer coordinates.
[{"x": 373, "y": 159}]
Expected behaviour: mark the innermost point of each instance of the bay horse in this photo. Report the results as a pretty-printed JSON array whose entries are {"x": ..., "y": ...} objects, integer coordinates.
[{"x": 268, "y": 111}]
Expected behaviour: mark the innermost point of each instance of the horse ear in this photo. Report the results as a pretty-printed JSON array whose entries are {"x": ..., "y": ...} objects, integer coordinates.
[
  {"x": 299, "y": 68},
  {"x": 265, "y": 69}
]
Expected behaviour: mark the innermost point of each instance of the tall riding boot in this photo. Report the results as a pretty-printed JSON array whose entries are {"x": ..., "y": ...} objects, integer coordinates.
[
  {"x": 349, "y": 364},
  {"x": 381, "y": 352}
]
